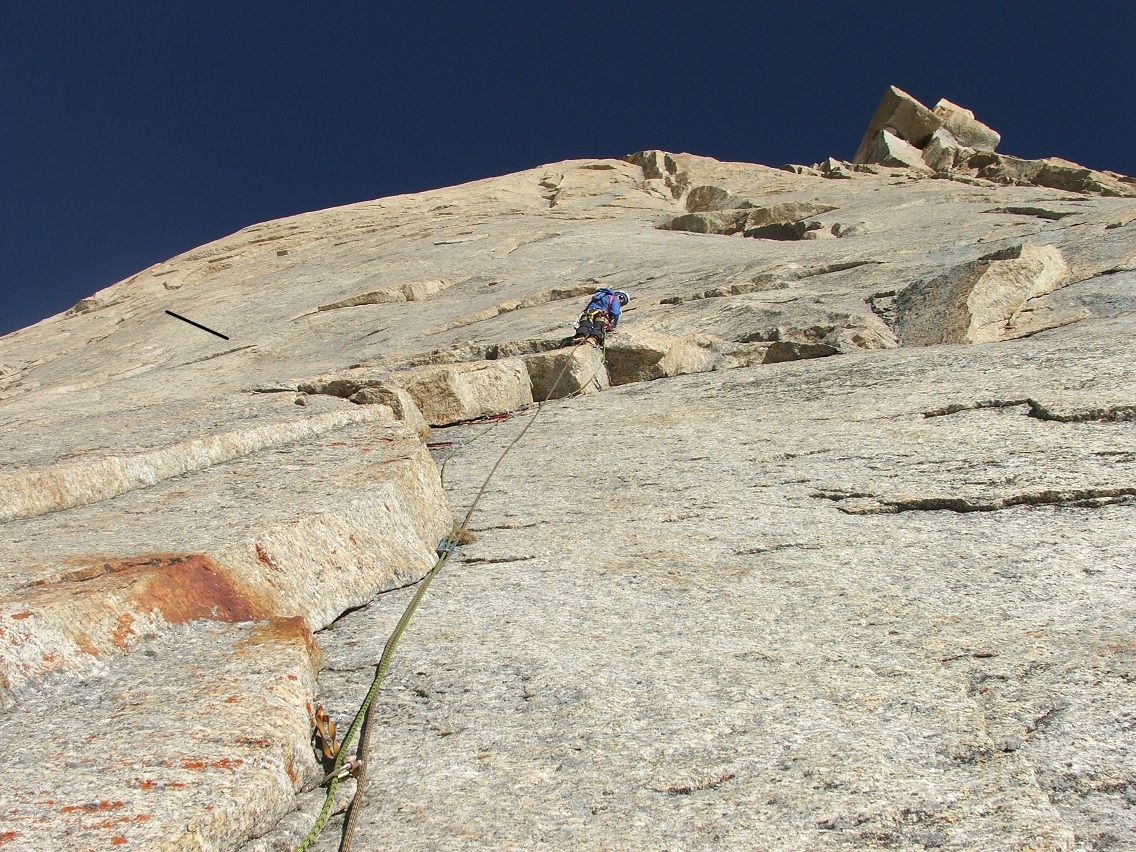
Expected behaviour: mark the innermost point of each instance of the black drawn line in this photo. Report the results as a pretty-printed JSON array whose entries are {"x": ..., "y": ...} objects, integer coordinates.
[{"x": 199, "y": 325}]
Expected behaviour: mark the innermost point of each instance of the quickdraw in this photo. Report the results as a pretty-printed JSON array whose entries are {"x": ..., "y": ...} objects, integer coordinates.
[
  {"x": 447, "y": 545},
  {"x": 325, "y": 732},
  {"x": 349, "y": 769}
]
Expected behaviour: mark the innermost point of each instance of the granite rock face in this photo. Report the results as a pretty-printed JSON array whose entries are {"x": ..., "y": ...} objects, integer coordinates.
[
  {"x": 829, "y": 547},
  {"x": 978, "y": 301}
]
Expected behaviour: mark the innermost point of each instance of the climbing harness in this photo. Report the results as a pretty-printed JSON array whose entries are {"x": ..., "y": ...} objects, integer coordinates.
[
  {"x": 343, "y": 768},
  {"x": 592, "y": 316}
]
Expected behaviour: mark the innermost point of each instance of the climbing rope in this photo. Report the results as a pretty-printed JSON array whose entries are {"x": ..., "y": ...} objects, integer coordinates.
[
  {"x": 458, "y": 448},
  {"x": 361, "y": 724},
  {"x": 363, "y": 715}
]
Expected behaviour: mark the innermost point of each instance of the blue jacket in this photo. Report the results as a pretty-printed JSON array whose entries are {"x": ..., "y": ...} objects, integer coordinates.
[{"x": 605, "y": 300}]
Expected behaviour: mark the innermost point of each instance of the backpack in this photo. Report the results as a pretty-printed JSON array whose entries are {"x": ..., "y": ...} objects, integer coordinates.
[{"x": 601, "y": 301}]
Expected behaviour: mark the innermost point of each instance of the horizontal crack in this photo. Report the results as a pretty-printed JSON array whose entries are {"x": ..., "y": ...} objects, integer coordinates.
[
  {"x": 767, "y": 281},
  {"x": 487, "y": 560},
  {"x": 706, "y": 783},
  {"x": 1088, "y": 498},
  {"x": 757, "y": 551},
  {"x": 1046, "y": 716},
  {"x": 509, "y": 526},
  {"x": 956, "y": 407},
  {"x": 1110, "y": 414},
  {"x": 216, "y": 355},
  {"x": 1039, "y": 212},
  {"x": 977, "y": 655}
]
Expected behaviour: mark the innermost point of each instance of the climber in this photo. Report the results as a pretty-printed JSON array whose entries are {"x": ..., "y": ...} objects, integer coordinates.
[{"x": 599, "y": 317}]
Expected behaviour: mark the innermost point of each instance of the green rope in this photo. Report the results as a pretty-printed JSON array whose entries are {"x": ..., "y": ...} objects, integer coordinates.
[
  {"x": 457, "y": 449},
  {"x": 362, "y": 719},
  {"x": 357, "y": 722},
  {"x": 462, "y": 446}
]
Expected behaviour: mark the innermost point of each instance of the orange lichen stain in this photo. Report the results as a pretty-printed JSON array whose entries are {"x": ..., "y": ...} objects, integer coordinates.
[
  {"x": 84, "y": 643},
  {"x": 263, "y": 556},
  {"x": 9, "y": 836},
  {"x": 192, "y": 764},
  {"x": 293, "y": 775},
  {"x": 177, "y": 785},
  {"x": 124, "y": 631},
  {"x": 337, "y": 444},
  {"x": 126, "y": 820},
  {"x": 208, "y": 807},
  {"x": 146, "y": 785},
  {"x": 280, "y": 628},
  {"x": 92, "y": 807},
  {"x": 118, "y": 840},
  {"x": 21, "y": 615},
  {"x": 196, "y": 588},
  {"x": 351, "y": 538},
  {"x": 284, "y": 629},
  {"x": 227, "y": 763},
  {"x": 234, "y": 699},
  {"x": 292, "y": 677},
  {"x": 182, "y": 587}
]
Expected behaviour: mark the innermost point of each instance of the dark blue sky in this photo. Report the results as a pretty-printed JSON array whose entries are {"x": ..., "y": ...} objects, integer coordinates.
[{"x": 132, "y": 131}]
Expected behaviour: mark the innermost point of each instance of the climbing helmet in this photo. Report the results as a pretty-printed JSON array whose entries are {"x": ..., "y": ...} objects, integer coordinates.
[{"x": 623, "y": 297}]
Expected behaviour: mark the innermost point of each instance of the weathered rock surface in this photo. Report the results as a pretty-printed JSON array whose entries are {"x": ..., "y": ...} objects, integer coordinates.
[
  {"x": 821, "y": 612},
  {"x": 412, "y": 291},
  {"x": 452, "y": 392},
  {"x": 784, "y": 221},
  {"x": 977, "y": 302},
  {"x": 164, "y": 636},
  {"x": 1052, "y": 172},
  {"x": 834, "y": 551},
  {"x": 69, "y": 484},
  {"x": 566, "y": 372},
  {"x": 889, "y": 150},
  {"x": 943, "y": 153},
  {"x": 136, "y": 757},
  {"x": 402, "y": 406}
]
